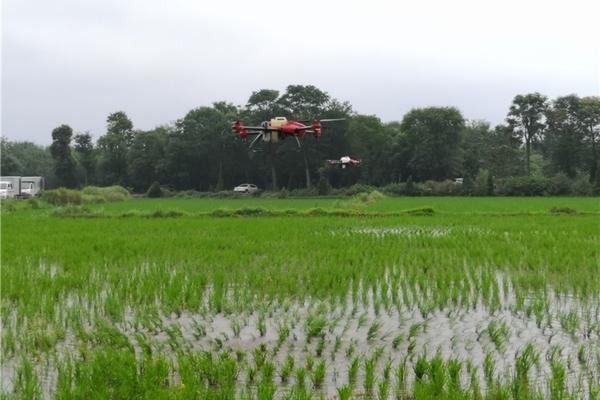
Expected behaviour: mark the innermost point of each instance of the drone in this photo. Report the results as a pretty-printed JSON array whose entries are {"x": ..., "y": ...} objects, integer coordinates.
[
  {"x": 345, "y": 162},
  {"x": 279, "y": 128}
]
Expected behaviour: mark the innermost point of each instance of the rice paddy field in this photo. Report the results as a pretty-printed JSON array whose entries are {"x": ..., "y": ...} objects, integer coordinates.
[{"x": 406, "y": 298}]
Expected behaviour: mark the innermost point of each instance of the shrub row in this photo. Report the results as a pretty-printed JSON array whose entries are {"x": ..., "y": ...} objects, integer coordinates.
[
  {"x": 89, "y": 194},
  {"x": 559, "y": 185}
]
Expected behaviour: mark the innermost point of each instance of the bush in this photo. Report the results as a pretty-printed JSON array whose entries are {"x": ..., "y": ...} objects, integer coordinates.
[
  {"x": 425, "y": 211},
  {"x": 154, "y": 191},
  {"x": 307, "y": 192},
  {"x": 480, "y": 185},
  {"x": 164, "y": 214},
  {"x": 93, "y": 198},
  {"x": 75, "y": 211},
  {"x": 33, "y": 203},
  {"x": 374, "y": 196},
  {"x": 563, "y": 211},
  {"x": 107, "y": 194},
  {"x": 191, "y": 194},
  {"x": 395, "y": 189},
  {"x": 355, "y": 189},
  {"x": 283, "y": 194},
  {"x": 62, "y": 197},
  {"x": 444, "y": 188},
  {"x": 582, "y": 186},
  {"x": 324, "y": 188},
  {"x": 8, "y": 205},
  {"x": 410, "y": 186},
  {"x": 560, "y": 184},
  {"x": 523, "y": 186}
]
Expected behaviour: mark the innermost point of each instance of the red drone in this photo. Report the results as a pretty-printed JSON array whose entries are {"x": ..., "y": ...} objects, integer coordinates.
[
  {"x": 278, "y": 128},
  {"x": 345, "y": 162}
]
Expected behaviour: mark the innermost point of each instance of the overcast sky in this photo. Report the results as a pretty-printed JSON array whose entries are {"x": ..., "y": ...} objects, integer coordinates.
[{"x": 75, "y": 61}]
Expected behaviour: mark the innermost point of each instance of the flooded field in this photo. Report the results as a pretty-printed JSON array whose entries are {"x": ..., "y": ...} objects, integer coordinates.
[{"x": 441, "y": 306}]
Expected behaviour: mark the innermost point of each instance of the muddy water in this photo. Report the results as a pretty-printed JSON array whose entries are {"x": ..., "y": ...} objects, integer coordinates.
[{"x": 461, "y": 333}]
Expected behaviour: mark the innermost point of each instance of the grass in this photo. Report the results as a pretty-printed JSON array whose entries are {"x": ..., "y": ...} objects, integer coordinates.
[
  {"x": 261, "y": 305},
  {"x": 445, "y": 205}
]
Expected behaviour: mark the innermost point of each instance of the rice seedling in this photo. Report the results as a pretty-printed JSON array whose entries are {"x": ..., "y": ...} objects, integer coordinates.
[
  {"x": 397, "y": 340},
  {"x": 383, "y": 389},
  {"x": 570, "y": 322},
  {"x": 262, "y": 325},
  {"x": 318, "y": 375},
  {"x": 373, "y": 330},
  {"x": 353, "y": 371},
  {"x": 369, "y": 368},
  {"x": 190, "y": 315},
  {"x": 286, "y": 369},
  {"x": 315, "y": 326},
  {"x": 344, "y": 392},
  {"x": 524, "y": 362},
  {"x": 488, "y": 369},
  {"x": 498, "y": 333},
  {"x": 300, "y": 378}
]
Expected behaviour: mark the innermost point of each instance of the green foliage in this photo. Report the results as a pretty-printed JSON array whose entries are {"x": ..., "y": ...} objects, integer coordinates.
[
  {"x": 527, "y": 119},
  {"x": 154, "y": 191},
  {"x": 198, "y": 153},
  {"x": 64, "y": 163},
  {"x": 62, "y": 196},
  {"x": 481, "y": 186},
  {"x": 433, "y": 136},
  {"x": 523, "y": 186},
  {"x": 324, "y": 188},
  {"x": 75, "y": 211},
  {"x": 106, "y": 194},
  {"x": 563, "y": 211},
  {"x": 559, "y": 185}
]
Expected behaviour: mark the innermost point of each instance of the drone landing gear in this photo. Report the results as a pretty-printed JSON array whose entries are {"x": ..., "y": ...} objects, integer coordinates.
[{"x": 255, "y": 140}]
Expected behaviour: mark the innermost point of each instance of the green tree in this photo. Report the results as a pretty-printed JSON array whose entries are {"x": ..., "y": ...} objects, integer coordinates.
[
  {"x": 26, "y": 159},
  {"x": 146, "y": 158},
  {"x": 502, "y": 154},
  {"x": 262, "y": 106},
  {"x": 9, "y": 163},
  {"x": 564, "y": 136},
  {"x": 202, "y": 153},
  {"x": 589, "y": 118},
  {"x": 433, "y": 136},
  {"x": 120, "y": 124},
  {"x": 371, "y": 141},
  {"x": 84, "y": 149},
  {"x": 474, "y": 141},
  {"x": 64, "y": 163},
  {"x": 527, "y": 117},
  {"x": 301, "y": 102},
  {"x": 490, "y": 185},
  {"x": 114, "y": 147}
]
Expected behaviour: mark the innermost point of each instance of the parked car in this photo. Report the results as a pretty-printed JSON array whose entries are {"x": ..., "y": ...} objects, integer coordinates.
[{"x": 245, "y": 188}]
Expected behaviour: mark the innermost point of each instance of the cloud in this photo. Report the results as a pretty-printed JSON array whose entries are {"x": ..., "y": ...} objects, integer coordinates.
[{"x": 74, "y": 62}]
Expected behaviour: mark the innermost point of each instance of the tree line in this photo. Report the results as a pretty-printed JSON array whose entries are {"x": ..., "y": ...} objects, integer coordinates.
[{"x": 541, "y": 137}]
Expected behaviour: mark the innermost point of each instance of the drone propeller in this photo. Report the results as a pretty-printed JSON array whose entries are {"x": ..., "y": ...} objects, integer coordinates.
[
  {"x": 332, "y": 119},
  {"x": 322, "y": 120}
]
